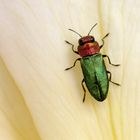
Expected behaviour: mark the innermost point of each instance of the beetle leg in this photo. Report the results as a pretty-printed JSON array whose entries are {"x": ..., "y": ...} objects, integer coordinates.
[
  {"x": 103, "y": 40},
  {"x": 110, "y": 61},
  {"x": 72, "y": 46},
  {"x": 82, "y": 83},
  {"x": 110, "y": 75},
  {"x": 73, "y": 64}
]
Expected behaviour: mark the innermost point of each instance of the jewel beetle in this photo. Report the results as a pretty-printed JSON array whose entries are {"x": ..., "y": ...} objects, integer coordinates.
[{"x": 96, "y": 76}]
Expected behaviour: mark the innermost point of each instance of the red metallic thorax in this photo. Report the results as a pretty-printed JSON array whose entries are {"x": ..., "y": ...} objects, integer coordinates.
[{"x": 88, "y": 49}]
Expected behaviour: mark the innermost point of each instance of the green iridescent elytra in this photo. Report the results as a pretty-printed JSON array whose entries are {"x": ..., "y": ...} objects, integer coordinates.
[
  {"x": 95, "y": 73},
  {"x": 95, "y": 76}
]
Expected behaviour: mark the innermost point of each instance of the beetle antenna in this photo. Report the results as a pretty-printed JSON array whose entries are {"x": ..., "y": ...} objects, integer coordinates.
[
  {"x": 92, "y": 28},
  {"x": 75, "y": 32}
]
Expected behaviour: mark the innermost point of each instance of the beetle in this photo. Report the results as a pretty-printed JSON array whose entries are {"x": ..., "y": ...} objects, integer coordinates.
[{"x": 96, "y": 76}]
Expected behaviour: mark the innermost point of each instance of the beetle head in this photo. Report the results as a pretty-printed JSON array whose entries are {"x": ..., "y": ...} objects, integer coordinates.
[{"x": 86, "y": 39}]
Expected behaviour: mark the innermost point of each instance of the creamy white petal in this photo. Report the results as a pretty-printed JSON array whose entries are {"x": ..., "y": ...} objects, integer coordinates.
[{"x": 33, "y": 50}]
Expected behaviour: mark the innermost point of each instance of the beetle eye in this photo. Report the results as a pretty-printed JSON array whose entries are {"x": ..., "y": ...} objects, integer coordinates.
[
  {"x": 81, "y": 42},
  {"x": 92, "y": 39}
]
